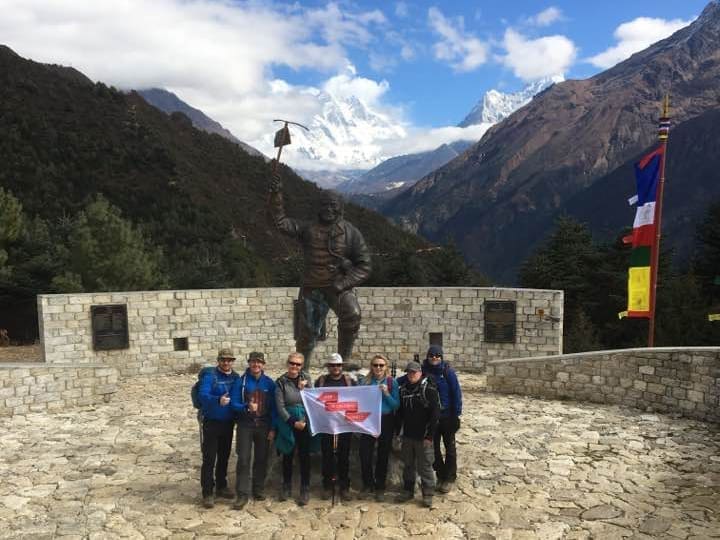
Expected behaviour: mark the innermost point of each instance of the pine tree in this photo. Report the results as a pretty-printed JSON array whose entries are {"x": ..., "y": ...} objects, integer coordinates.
[
  {"x": 108, "y": 253},
  {"x": 11, "y": 222}
]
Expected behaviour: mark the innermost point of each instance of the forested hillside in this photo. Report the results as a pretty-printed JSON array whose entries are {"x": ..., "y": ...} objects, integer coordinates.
[{"x": 101, "y": 191}]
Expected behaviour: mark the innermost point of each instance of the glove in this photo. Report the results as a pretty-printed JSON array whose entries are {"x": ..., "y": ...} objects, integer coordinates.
[
  {"x": 339, "y": 284},
  {"x": 456, "y": 423},
  {"x": 275, "y": 180}
]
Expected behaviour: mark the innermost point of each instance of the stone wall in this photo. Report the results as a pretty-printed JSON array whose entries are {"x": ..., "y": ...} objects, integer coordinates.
[
  {"x": 396, "y": 321},
  {"x": 676, "y": 380},
  {"x": 27, "y": 388}
]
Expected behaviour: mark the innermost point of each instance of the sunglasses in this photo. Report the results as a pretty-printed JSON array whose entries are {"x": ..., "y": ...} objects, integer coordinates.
[
  {"x": 378, "y": 365},
  {"x": 226, "y": 359},
  {"x": 436, "y": 356},
  {"x": 296, "y": 364}
]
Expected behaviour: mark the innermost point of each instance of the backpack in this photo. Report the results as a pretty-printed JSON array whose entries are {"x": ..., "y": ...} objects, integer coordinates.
[
  {"x": 195, "y": 390},
  {"x": 348, "y": 380}
]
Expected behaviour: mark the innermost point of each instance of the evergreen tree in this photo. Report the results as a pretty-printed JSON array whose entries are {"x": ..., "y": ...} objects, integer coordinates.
[
  {"x": 11, "y": 221},
  {"x": 707, "y": 262},
  {"x": 107, "y": 252},
  {"x": 568, "y": 261}
]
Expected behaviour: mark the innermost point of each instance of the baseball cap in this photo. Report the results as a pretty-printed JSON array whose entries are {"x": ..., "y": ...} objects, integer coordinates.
[
  {"x": 334, "y": 360},
  {"x": 225, "y": 353},
  {"x": 256, "y": 355},
  {"x": 412, "y": 365}
]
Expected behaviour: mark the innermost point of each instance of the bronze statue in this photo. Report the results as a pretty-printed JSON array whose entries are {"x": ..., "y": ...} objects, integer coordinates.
[{"x": 335, "y": 260}]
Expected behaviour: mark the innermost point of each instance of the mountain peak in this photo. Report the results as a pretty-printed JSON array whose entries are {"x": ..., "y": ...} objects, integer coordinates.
[{"x": 495, "y": 106}]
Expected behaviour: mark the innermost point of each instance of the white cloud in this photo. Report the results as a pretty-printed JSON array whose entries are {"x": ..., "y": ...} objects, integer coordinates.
[
  {"x": 217, "y": 55},
  {"x": 634, "y": 36},
  {"x": 463, "y": 51},
  {"x": 546, "y": 17},
  {"x": 422, "y": 140},
  {"x": 401, "y": 9},
  {"x": 532, "y": 59},
  {"x": 348, "y": 84}
]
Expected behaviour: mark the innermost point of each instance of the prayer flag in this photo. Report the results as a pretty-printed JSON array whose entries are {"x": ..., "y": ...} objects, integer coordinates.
[{"x": 647, "y": 175}]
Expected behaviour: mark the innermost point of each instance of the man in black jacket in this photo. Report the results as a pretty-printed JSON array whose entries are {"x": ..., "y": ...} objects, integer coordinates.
[
  {"x": 336, "y": 259},
  {"x": 335, "y": 461},
  {"x": 419, "y": 414}
]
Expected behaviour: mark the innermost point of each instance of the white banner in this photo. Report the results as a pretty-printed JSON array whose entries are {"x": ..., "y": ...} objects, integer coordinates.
[{"x": 343, "y": 409}]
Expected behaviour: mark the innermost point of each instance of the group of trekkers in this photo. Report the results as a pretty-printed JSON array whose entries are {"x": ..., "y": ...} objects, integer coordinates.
[{"x": 422, "y": 408}]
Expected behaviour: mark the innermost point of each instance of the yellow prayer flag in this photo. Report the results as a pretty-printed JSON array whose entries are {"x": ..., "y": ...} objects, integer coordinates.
[{"x": 639, "y": 288}]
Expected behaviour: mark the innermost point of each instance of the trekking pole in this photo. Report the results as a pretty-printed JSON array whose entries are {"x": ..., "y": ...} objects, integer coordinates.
[{"x": 335, "y": 467}]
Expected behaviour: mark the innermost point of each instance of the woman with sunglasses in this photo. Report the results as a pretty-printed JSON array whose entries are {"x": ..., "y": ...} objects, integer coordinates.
[
  {"x": 374, "y": 478},
  {"x": 293, "y": 429}
]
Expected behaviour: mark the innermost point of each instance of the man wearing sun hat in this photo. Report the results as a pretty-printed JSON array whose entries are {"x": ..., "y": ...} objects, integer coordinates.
[
  {"x": 218, "y": 420},
  {"x": 335, "y": 463},
  {"x": 253, "y": 398}
]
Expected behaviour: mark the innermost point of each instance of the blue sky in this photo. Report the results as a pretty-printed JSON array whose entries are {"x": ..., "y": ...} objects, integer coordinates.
[{"x": 422, "y": 63}]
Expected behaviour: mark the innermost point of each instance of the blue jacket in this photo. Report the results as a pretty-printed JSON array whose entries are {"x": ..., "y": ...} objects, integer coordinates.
[
  {"x": 213, "y": 385},
  {"x": 391, "y": 402},
  {"x": 448, "y": 387},
  {"x": 263, "y": 389}
]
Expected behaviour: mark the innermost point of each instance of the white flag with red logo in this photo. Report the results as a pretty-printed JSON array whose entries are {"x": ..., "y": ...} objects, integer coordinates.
[{"x": 343, "y": 409}]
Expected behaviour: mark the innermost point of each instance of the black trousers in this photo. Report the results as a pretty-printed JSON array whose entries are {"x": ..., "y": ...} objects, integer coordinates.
[
  {"x": 216, "y": 444},
  {"x": 446, "y": 468},
  {"x": 375, "y": 479},
  {"x": 302, "y": 447},
  {"x": 329, "y": 469}
]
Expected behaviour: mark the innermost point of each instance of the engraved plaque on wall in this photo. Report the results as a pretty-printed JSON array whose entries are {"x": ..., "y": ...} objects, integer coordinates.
[
  {"x": 500, "y": 321},
  {"x": 109, "y": 327}
]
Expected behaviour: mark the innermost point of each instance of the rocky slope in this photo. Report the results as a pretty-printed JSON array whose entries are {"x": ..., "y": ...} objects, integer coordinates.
[{"x": 496, "y": 199}]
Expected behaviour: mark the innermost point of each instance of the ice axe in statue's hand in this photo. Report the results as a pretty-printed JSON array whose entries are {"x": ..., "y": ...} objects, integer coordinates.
[{"x": 282, "y": 138}]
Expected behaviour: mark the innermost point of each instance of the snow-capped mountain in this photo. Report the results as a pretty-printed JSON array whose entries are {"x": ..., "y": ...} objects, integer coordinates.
[
  {"x": 403, "y": 171},
  {"x": 495, "y": 106},
  {"x": 346, "y": 134}
]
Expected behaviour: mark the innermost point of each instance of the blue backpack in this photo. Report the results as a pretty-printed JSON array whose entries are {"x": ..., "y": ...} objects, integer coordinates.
[{"x": 194, "y": 391}]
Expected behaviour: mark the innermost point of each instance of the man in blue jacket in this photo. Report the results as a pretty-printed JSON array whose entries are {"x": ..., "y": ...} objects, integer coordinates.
[
  {"x": 450, "y": 410},
  {"x": 218, "y": 420},
  {"x": 253, "y": 398}
]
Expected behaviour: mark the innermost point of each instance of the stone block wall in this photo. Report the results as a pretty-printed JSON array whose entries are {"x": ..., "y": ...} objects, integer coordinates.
[
  {"x": 396, "y": 321},
  {"x": 27, "y": 388},
  {"x": 673, "y": 380}
]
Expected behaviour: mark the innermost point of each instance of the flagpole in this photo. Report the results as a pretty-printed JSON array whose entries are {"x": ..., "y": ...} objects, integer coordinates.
[{"x": 663, "y": 131}]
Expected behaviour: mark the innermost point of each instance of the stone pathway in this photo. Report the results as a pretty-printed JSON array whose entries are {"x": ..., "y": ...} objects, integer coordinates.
[{"x": 529, "y": 469}]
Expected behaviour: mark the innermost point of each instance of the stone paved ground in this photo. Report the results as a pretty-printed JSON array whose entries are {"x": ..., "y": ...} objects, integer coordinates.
[{"x": 530, "y": 469}]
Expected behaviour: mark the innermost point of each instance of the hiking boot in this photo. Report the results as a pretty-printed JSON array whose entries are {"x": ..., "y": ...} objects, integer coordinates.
[
  {"x": 240, "y": 502},
  {"x": 304, "y": 495},
  {"x": 259, "y": 496},
  {"x": 224, "y": 493},
  {"x": 404, "y": 497},
  {"x": 445, "y": 487},
  {"x": 208, "y": 501},
  {"x": 428, "y": 502},
  {"x": 285, "y": 492},
  {"x": 379, "y": 496}
]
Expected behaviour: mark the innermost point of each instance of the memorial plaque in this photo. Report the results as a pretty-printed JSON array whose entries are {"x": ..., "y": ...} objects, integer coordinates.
[
  {"x": 109, "y": 327},
  {"x": 500, "y": 321}
]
